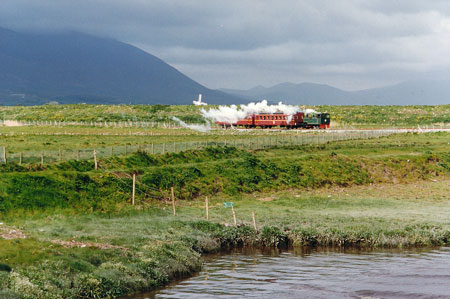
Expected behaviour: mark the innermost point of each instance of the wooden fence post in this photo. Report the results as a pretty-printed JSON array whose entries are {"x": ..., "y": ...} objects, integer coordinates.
[
  {"x": 164, "y": 148},
  {"x": 173, "y": 202},
  {"x": 4, "y": 155},
  {"x": 207, "y": 207},
  {"x": 78, "y": 155},
  {"x": 59, "y": 155},
  {"x": 133, "y": 194},
  {"x": 254, "y": 219},
  {"x": 95, "y": 160},
  {"x": 20, "y": 158},
  {"x": 153, "y": 149},
  {"x": 42, "y": 158},
  {"x": 234, "y": 215}
]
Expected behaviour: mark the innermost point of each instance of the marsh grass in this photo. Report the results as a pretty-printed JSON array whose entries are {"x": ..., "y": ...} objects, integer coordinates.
[{"x": 161, "y": 247}]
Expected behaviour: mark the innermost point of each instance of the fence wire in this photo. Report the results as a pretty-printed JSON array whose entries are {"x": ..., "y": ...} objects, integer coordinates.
[{"x": 260, "y": 142}]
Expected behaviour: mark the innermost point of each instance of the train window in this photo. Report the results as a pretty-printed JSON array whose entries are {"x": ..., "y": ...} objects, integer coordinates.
[
  {"x": 271, "y": 117},
  {"x": 276, "y": 117}
]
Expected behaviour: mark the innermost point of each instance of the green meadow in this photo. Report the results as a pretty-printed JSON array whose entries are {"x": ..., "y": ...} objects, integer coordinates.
[{"x": 69, "y": 230}]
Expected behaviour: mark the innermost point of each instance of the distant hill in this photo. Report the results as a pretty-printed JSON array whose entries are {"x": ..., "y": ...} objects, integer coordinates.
[
  {"x": 426, "y": 92},
  {"x": 75, "y": 67},
  {"x": 423, "y": 92}
]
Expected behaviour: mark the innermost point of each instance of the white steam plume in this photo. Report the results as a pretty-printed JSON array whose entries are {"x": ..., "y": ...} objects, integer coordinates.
[
  {"x": 231, "y": 114},
  {"x": 196, "y": 127}
]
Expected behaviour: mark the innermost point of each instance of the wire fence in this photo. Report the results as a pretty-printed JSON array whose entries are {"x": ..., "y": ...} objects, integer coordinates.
[
  {"x": 168, "y": 124},
  {"x": 104, "y": 124},
  {"x": 259, "y": 142}
]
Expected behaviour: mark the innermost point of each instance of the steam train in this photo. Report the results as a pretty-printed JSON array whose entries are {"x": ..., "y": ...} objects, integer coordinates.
[{"x": 307, "y": 120}]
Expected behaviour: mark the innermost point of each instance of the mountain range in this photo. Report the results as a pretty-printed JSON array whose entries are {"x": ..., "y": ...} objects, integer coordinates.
[
  {"x": 73, "y": 67},
  {"x": 423, "y": 92}
]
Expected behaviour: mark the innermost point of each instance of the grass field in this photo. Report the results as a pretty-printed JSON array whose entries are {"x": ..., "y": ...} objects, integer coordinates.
[
  {"x": 70, "y": 231},
  {"x": 223, "y": 170},
  {"x": 341, "y": 116},
  {"x": 29, "y": 143}
]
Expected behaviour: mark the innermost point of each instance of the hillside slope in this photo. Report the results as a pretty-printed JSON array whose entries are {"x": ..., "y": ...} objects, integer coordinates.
[{"x": 75, "y": 67}]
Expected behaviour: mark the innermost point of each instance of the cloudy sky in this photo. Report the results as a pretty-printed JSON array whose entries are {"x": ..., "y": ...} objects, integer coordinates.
[{"x": 243, "y": 43}]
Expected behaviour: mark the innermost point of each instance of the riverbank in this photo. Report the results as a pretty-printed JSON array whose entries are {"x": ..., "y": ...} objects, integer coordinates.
[{"x": 63, "y": 255}]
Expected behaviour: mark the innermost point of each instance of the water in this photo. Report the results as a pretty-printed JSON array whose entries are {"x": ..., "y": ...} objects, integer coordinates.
[{"x": 328, "y": 273}]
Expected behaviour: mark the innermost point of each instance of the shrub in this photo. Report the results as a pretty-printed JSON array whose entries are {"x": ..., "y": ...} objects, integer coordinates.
[
  {"x": 272, "y": 236},
  {"x": 5, "y": 267}
]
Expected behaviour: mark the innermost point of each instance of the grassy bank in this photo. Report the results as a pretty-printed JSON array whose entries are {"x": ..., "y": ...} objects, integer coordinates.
[
  {"x": 224, "y": 171},
  {"x": 66, "y": 254},
  {"x": 69, "y": 230}
]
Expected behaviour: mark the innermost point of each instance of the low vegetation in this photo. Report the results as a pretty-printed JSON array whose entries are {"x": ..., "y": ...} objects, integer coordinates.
[
  {"x": 360, "y": 116},
  {"x": 224, "y": 170},
  {"x": 68, "y": 230}
]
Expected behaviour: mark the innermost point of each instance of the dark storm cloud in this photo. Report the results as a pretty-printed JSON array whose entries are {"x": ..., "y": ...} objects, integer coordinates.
[{"x": 348, "y": 43}]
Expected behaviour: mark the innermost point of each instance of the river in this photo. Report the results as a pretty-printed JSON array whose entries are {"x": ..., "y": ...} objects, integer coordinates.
[{"x": 318, "y": 273}]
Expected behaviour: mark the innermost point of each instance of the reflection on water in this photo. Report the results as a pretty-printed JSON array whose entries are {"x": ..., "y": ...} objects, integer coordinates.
[{"x": 319, "y": 273}]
